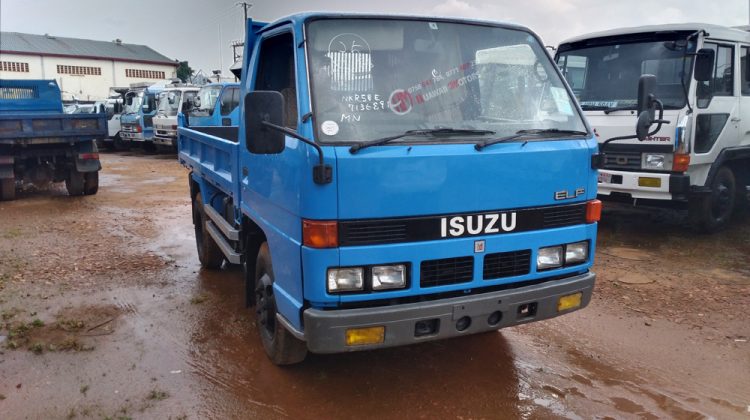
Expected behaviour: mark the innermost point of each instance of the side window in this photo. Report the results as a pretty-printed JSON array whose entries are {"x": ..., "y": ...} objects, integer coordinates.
[
  {"x": 744, "y": 68},
  {"x": 276, "y": 72},
  {"x": 228, "y": 101},
  {"x": 722, "y": 82},
  {"x": 574, "y": 70}
]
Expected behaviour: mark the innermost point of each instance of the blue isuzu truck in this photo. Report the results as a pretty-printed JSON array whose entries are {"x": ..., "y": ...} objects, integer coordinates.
[
  {"x": 137, "y": 120},
  {"x": 40, "y": 144},
  {"x": 395, "y": 180}
]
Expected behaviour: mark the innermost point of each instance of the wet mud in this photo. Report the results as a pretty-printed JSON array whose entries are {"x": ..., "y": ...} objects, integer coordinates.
[{"x": 117, "y": 319}]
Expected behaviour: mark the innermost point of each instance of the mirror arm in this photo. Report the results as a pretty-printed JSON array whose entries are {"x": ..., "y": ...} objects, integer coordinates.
[{"x": 322, "y": 173}]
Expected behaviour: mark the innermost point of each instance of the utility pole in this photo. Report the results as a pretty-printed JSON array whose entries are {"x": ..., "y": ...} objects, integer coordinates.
[{"x": 245, "y": 5}]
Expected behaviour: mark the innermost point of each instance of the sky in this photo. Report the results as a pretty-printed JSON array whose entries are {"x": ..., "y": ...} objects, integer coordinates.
[{"x": 200, "y": 31}]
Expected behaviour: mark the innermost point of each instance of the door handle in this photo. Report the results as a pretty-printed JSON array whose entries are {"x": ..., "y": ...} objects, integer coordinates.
[
  {"x": 736, "y": 119},
  {"x": 244, "y": 171}
]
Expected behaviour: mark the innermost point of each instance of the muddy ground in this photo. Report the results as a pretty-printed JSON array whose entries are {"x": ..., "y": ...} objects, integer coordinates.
[{"x": 106, "y": 314}]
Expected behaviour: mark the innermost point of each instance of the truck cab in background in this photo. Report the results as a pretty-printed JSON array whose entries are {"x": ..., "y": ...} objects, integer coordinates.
[
  {"x": 700, "y": 159},
  {"x": 172, "y": 101},
  {"x": 216, "y": 104},
  {"x": 136, "y": 122}
]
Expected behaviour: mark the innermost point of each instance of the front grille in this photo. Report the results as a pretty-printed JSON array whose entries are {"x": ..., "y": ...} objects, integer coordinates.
[
  {"x": 564, "y": 216},
  {"x": 373, "y": 232},
  {"x": 621, "y": 160},
  {"x": 128, "y": 128},
  {"x": 507, "y": 264},
  {"x": 446, "y": 271}
]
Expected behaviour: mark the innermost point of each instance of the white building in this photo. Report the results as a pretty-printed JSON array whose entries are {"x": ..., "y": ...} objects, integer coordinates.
[{"x": 83, "y": 68}]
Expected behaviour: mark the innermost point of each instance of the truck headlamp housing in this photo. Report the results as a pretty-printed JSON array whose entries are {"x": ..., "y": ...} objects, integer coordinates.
[
  {"x": 346, "y": 279},
  {"x": 576, "y": 253},
  {"x": 549, "y": 257},
  {"x": 656, "y": 161},
  {"x": 388, "y": 277}
]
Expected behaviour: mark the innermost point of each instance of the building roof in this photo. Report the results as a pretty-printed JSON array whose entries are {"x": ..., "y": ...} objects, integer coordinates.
[
  {"x": 20, "y": 43},
  {"x": 715, "y": 31}
]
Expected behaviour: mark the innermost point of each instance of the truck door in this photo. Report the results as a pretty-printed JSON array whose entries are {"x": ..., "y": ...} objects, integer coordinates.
[
  {"x": 744, "y": 82},
  {"x": 717, "y": 108}
]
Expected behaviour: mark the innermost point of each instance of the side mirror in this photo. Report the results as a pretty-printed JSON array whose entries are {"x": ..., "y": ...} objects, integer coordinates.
[
  {"x": 197, "y": 102},
  {"x": 646, "y": 106},
  {"x": 704, "y": 64},
  {"x": 260, "y": 107}
]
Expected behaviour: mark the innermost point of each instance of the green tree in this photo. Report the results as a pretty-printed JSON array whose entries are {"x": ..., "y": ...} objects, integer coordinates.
[{"x": 184, "y": 72}]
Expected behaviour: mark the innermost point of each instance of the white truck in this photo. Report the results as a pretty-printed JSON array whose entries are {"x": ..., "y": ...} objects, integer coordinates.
[
  {"x": 700, "y": 158},
  {"x": 172, "y": 101}
]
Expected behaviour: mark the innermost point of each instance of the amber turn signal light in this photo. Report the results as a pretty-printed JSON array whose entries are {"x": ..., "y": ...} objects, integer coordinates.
[
  {"x": 680, "y": 162},
  {"x": 320, "y": 234},
  {"x": 593, "y": 211}
]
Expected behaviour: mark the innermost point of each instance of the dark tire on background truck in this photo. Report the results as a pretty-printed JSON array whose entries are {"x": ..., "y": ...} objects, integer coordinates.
[
  {"x": 209, "y": 254},
  {"x": 7, "y": 189},
  {"x": 281, "y": 346},
  {"x": 90, "y": 183},
  {"x": 712, "y": 212},
  {"x": 75, "y": 183}
]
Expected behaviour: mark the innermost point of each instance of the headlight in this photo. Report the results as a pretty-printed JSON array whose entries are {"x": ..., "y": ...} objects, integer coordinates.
[
  {"x": 576, "y": 253},
  {"x": 345, "y": 279},
  {"x": 550, "y": 257},
  {"x": 388, "y": 277},
  {"x": 656, "y": 161}
]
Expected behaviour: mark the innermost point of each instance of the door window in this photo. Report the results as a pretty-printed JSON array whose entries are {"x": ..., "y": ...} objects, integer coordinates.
[
  {"x": 229, "y": 101},
  {"x": 722, "y": 82},
  {"x": 745, "y": 67},
  {"x": 276, "y": 73}
]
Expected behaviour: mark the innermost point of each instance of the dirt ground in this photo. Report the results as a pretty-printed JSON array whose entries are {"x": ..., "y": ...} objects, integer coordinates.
[{"x": 105, "y": 313}]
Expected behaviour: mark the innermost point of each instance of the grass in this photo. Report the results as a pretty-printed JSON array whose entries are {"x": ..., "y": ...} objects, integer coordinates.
[
  {"x": 196, "y": 300},
  {"x": 84, "y": 389},
  {"x": 12, "y": 233},
  {"x": 157, "y": 395}
]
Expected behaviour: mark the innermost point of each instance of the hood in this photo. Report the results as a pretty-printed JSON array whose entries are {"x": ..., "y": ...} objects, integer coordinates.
[
  {"x": 400, "y": 181},
  {"x": 622, "y": 123}
]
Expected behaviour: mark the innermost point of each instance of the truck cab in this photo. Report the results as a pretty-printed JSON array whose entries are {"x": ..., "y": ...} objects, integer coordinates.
[
  {"x": 172, "y": 101},
  {"x": 395, "y": 180},
  {"x": 138, "y": 113},
  {"x": 699, "y": 159},
  {"x": 216, "y": 104}
]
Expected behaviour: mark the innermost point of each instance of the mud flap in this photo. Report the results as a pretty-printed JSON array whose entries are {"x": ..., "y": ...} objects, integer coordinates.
[
  {"x": 88, "y": 165},
  {"x": 6, "y": 167}
]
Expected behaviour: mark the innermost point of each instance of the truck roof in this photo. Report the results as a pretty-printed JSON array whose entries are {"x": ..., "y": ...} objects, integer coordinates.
[
  {"x": 300, "y": 18},
  {"x": 714, "y": 31}
]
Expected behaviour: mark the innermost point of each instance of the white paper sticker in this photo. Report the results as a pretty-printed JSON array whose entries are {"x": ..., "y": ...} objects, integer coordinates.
[
  {"x": 329, "y": 128},
  {"x": 562, "y": 100}
]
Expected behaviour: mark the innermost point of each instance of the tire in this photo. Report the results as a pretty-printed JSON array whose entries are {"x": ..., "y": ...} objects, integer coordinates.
[
  {"x": 75, "y": 183},
  {"x": 712, "y": 213},
  {"x": 90, "y": 183},
  {"x": 7, "y": 189},
  {"x": 280, "y": 345},
  {"x": 119, "y": 144},
  {"x": 209, "y": 253}
]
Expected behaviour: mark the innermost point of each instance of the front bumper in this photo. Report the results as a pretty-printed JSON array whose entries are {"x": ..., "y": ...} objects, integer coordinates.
[
  {"x": 671, "y": 186},
  {"x": 165, "y": 137},
  {"x": 325, "y": 330},
  {"x": 132, "y": 136}
]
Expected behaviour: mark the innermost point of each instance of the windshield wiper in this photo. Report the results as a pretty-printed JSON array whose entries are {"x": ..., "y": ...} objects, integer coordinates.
[
  {"x": 528, "y": 132},
  {"x": 619, "y": 108},
  {"x": 444, "y": 131}
]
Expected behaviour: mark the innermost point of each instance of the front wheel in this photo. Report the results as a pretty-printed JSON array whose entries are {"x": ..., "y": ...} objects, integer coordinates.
[
  {"x": 712, "y": 212},
  {"x": 280, "y": 345}
]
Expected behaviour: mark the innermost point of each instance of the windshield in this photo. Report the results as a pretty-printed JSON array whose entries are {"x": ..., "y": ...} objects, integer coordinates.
[
  {"x": 606, "y": 76},
  {"x": 207, "y": 97},
  {"x": 376, "y": 78},
  {"x": 169, "y": 103},
  {"x": 133, "y": 102}
]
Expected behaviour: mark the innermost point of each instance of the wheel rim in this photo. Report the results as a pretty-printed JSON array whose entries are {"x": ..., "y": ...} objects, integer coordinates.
[
  {"x": 265, "y": 307},
  {"x": 722, "y": 201}
]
